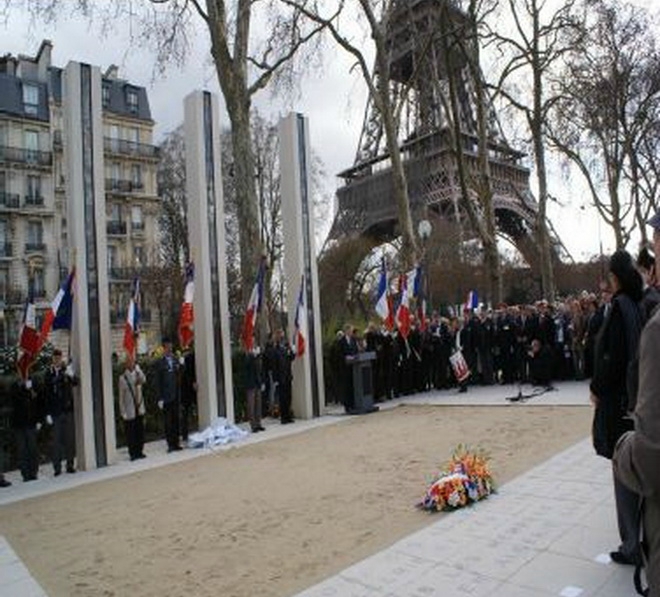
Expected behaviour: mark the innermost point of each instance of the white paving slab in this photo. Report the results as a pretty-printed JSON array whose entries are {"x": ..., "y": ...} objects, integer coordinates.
[{"x": 547, "y": 533}]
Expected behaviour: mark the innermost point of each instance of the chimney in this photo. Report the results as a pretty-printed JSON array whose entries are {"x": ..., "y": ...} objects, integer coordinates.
[{"x": 112, "y": 72}]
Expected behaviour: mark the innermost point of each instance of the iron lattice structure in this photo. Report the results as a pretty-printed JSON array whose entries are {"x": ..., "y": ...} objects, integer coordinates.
[{"x": 419, "y": 67}]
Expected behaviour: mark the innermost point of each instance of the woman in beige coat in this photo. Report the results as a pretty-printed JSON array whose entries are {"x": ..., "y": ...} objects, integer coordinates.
[{"x": 131, "y": 406}]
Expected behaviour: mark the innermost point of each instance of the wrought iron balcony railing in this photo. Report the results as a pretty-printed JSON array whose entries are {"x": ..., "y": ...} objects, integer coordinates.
[
  {"x": 124, "y": 147},
  {"x": 122, "y": 186},
  {"x": 35, "y": 247},
  {"x": 34, "y": 201},
  {"x": 116, "y": 228},
  {"x": 10, "y": 200},
  {"x": 5, "y": 250},
  {"x": 22, "y": 155}
]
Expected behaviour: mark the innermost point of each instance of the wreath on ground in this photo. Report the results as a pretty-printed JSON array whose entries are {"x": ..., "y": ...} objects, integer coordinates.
[{"x": 464, "y": 480}]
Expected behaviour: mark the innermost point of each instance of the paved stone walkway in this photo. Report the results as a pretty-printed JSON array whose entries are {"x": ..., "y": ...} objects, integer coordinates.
[{"x": 545, "y": 533}]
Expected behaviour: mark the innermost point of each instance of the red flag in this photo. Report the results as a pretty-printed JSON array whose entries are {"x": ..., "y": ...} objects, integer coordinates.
[
  {"x": 59, "y": 314},
  {"x": 253, "y": 308},
  {"x": 403, "y": 312},
  {"x": 29, "y": 343},
  {"x": 132, "y": 325},
  {"x": 187, "y": 317},
  {"x": 300, "y": 333}
]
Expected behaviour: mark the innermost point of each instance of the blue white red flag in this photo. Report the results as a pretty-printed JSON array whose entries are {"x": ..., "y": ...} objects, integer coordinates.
[
  {"x": 29, "y": 343},
  {"x": 253, "y": 308},
  {"x": 414, "y": 281},
  {"x": 300, "y": 323},
  {"x": 187, "y": 316},
  {"x": 383, "y": 303},
  {"x": 58, "y": 317},
  {"x": 421, "y": 315},
  {"x": 132, "y": 325},
  {"x": 403, "y": 311},
  {"x": 472, "y": 301}
]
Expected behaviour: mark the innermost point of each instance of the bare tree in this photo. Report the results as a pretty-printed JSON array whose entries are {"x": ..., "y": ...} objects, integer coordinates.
[
  {"x": 532, "y": 52},
  {"x": 606, "y": 121},
  {"x": 244, "y": 66},
  {"x": 173, "y": 220}
]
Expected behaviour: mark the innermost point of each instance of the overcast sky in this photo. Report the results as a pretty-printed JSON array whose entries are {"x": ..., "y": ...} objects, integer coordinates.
[{"x": 334, "y": 100}]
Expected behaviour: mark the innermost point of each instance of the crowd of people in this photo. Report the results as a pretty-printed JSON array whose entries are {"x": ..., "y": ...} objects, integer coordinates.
[
  {"x": 611, "y": 338},
  {"x": 535, "y": 343}
]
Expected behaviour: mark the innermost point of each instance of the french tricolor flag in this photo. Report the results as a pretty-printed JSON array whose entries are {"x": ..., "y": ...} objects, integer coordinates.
[
  {"x": 187, "y": 317},
  {"x": 253, "y": 308},
  {"x": 472, "y": 301},
  {"x": 132, "y": 325},
  {"x": 414, "y": 281},
  {"x": 58, "y": 317},
  {"x": 383, "y": 301},
  {"x": 403, "y": 312},
  {"x": 29, "y": 343},
  {"x": 300, "y": 327}
]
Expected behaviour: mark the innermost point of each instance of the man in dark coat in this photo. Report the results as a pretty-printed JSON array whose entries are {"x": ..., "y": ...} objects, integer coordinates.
[
  {"x": 27, "y": 417},
  {"x": 188, "y": 392},
  {"x": 58, "y": 399},
  {"x": 283, "y": 356},
  {"x": 168, "y": 395},
  {"x": 616, "y": 347},
  {"x": 637, "y": 454}
]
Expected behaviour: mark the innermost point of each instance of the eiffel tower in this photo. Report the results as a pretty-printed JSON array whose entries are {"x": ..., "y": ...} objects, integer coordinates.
[{"x": 418, "y": 78}]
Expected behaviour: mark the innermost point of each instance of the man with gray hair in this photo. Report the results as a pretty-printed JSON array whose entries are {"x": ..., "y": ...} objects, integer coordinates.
[{"x": 637, "y": 454}]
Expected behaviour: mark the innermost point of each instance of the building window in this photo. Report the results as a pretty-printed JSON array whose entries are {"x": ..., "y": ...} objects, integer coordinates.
[
  {"x": 37, "y": 281},
  {"x": 33, "y": 190},
  {"x": 136, "y": 176},
  {"x": 4, "y": 284},
  {"x": 32, "y": 146},
  {"x": 5, "y": 247},
  {"x": 3, "y": 135},
  {"x": 116, "y": 173},
  {"x": 35, "y": 236},
  {"x": 138, "y": 255},
  {"x": 134, "y": 133},
  {"x": 30, "y": 99},
  {"x": 115, "y": 212},
  {"x": 132, "y": 100},
  {"x": 105, "y": 95},
  {"x": 136, "y": 218},
  {"x": 112, "y": 258},
  {"x": 3, "y": 182}
]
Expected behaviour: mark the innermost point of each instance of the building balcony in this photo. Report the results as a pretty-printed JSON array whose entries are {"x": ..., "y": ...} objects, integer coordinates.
[
  {"x": 122, "y": 273},
  {"x": 35, "y": 247},
  {"x": 130, "y": 148},
  {"x": 137, "y": 227},
  {"x": 9, "y": 200},
  {"x": 116, "y": 228},
  {"x": 34, "y": 201},
  {"x": 118, "y": 316},
  {"x": 123, "y": 186},
  {"x": 5, "y": 250},
  {"x": 12, "y": 296},
  {"x": 30, "y": 157}
]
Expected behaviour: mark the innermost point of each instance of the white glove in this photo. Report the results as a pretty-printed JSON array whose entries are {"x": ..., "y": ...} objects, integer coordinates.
[
  {"x": 160, "y": 404},
  {"x": 49, "y": 420},
  {"x": 69, "y": 370},
  {"x": 181, "y": 361},
  {"x": 38, "y": 426},
  {"x": 28, "y": 384}
]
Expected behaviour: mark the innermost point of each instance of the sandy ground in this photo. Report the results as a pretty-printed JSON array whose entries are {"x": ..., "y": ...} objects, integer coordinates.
[{"x": 272, "y": 518}]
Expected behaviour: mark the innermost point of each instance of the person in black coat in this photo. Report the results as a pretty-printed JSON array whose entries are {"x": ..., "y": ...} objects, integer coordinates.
[
  {"x": 253, "y": 385},
  {"x": 26, "y": 419},
  {"x": 616, "y": 348},
  {"x": 168, "y": 395},
  {"x": 188, "y": 392},
  {"x": 59, "y": 382},
  {"x": 349, "y": 348},
  {"x": 283, "y": 357}
]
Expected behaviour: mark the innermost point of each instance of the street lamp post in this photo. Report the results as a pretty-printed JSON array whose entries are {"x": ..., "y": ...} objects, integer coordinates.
[{"x": 424, "y": 230}]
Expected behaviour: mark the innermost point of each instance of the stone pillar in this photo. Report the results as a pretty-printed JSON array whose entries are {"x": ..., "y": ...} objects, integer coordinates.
[
  {"x": 206, "y": 234},
  {"x": 299, "y": 259},
  {"x": 91, "y": 347}
]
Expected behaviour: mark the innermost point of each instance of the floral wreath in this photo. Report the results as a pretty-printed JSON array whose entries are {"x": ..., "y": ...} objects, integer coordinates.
[{"x": 465, "y": 479}]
